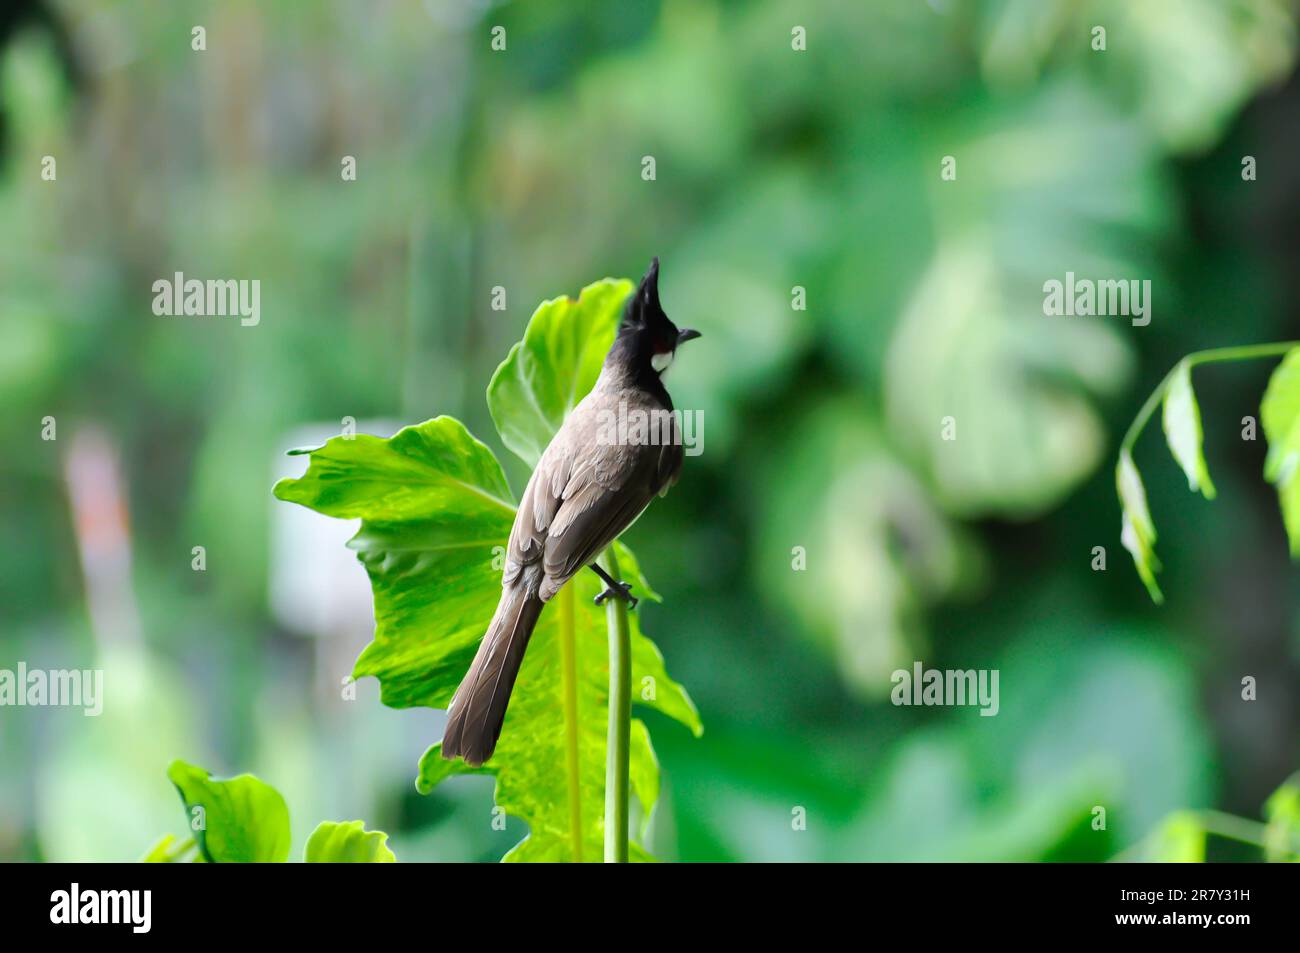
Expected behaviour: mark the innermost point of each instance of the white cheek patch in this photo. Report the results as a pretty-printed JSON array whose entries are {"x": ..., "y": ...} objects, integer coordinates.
[{"x": 660, "y": 362}]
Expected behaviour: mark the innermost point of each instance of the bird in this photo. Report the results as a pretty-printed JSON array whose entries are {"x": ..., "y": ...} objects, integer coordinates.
[{"x": 586, "y": 490}]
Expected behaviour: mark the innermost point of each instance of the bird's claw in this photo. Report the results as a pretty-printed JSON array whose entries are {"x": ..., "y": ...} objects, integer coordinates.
[{"x": 622, "y": 590}]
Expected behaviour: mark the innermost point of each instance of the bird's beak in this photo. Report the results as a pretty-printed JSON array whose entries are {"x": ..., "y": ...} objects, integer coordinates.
[{"x": 686, "y": 334}]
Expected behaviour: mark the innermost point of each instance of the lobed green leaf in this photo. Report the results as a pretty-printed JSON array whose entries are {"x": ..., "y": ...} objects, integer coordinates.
[
  {"x": 347, "y": 842},
  {"x": 436, "y": 514},
  {"x": 554, "y": 366}
]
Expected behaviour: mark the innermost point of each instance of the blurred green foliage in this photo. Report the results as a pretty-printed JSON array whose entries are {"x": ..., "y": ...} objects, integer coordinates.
[{"x": 775, "y": 168}]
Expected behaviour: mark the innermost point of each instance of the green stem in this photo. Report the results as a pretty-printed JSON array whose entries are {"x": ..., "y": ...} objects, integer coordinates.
[
  {"x": 1216, "y": 824},
  {"x": 178, "y": 852},
  {"x": 1247, "y": 352},
  {"x": 569, "y": 676},
  {"x": 1231, "y": 827},
  {"x": 618, "y": 741}
]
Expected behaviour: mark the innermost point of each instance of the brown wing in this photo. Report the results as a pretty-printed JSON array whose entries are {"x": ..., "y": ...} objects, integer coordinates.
[
  {"x": 537, "y": 509},
  {"x": 582, "y": 495},
  {"x": 608, "y": 488}
]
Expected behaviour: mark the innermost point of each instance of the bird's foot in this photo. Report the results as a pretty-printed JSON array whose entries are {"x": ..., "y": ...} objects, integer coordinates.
[{"x": 618, "y": 590}]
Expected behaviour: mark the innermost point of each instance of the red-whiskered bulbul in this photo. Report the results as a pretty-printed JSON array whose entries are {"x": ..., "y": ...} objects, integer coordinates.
[{"x": 585, "y": 491}]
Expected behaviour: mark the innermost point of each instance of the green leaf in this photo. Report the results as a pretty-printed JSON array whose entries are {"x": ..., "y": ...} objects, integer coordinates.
[
  {"x": 1182, "y": 424},
  {"x": 347, "y": 842},
  {"x": 419, "y": 471},
  {"x": 436, "y": 514},
  {"x": 1280, "y": 414},
  {"x": 1180, "y": 839},
  {"x": 554, "y": 366},
  {"x": 239, "y": 820},
  {"x": 1282, "y": 835},
  {"x": 1138, "y": 533},
  {"x": 531, "y": 757}
]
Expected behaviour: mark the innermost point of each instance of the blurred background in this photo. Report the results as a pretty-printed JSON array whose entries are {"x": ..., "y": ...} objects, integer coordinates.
[{"x": 774, "y": 168}]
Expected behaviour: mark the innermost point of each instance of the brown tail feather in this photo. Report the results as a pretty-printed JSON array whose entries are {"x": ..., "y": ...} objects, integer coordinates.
[{"x": 479, "y": 706}]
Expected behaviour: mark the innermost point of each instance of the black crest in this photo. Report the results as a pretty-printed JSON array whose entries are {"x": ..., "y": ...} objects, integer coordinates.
[{"x": 643, "y": 309}]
